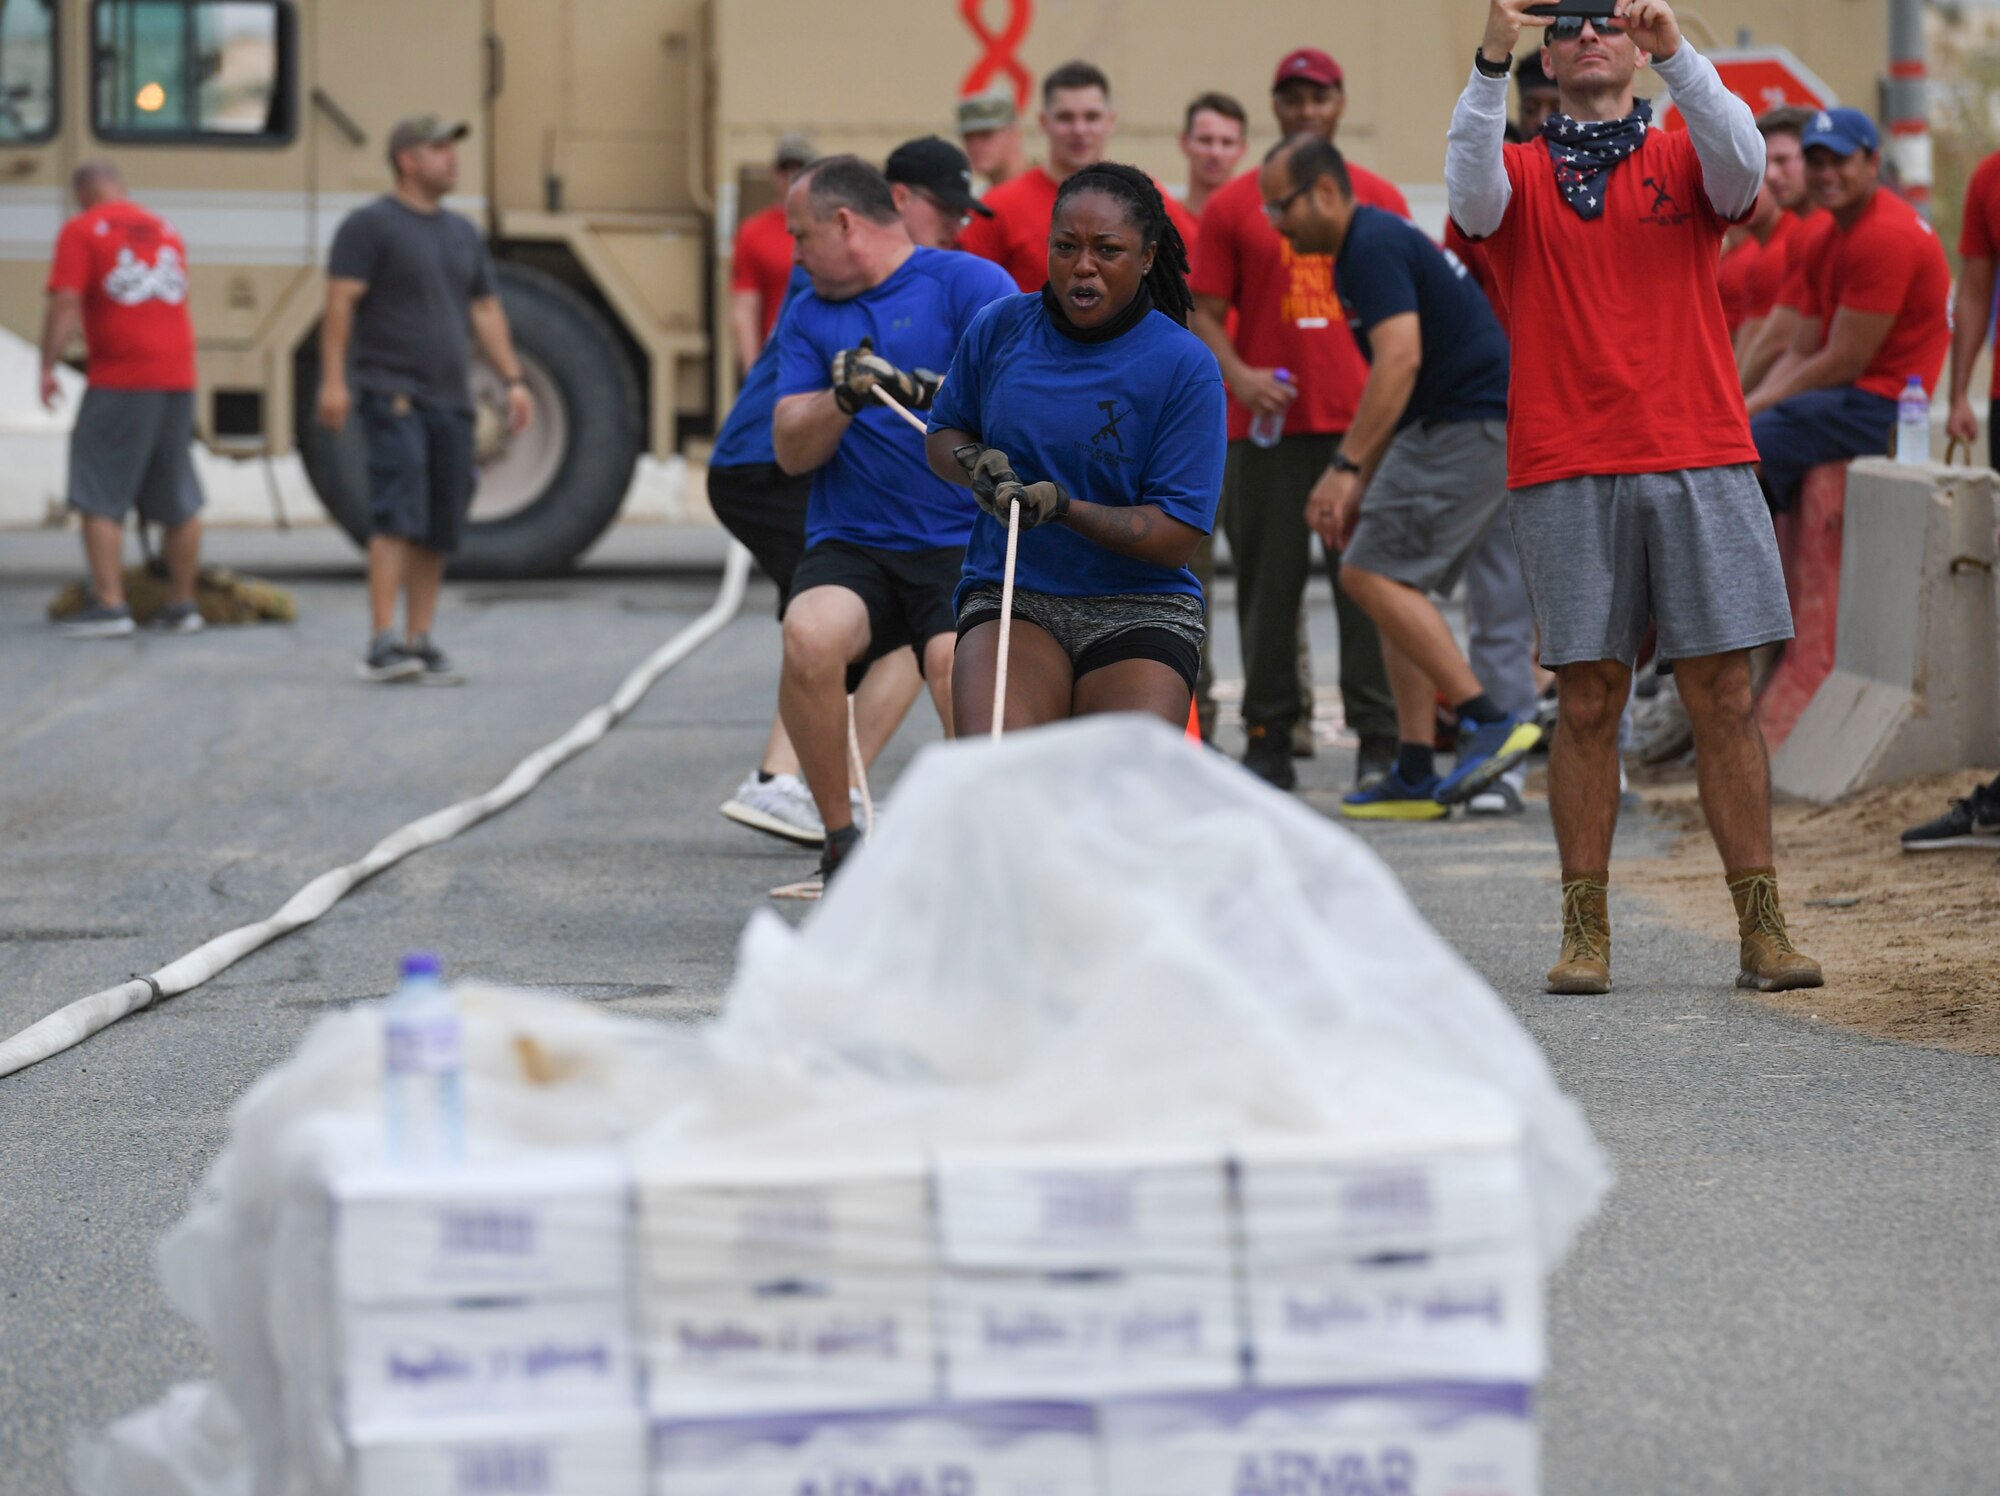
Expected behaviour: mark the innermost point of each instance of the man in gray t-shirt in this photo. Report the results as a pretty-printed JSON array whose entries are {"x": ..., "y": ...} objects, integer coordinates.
[{"x": 408, "y": 287}]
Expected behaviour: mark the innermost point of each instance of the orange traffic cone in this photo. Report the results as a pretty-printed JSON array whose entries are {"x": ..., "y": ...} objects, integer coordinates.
[{"x": 1194, "y": 725}]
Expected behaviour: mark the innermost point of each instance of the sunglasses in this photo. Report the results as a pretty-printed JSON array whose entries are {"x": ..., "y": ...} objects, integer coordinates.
[{"x": 1569, "y": 28}]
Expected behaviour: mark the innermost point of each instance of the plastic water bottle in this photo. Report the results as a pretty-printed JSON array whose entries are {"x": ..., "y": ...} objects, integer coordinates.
[
  {"x": 422, "y": 1060},
  {"x": 1266, "y": 429},
  {"x": 1913, "y": 424}
]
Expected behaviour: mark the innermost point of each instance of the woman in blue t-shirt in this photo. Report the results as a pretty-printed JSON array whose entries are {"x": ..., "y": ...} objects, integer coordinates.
[{"x": 1094, "y": 407}]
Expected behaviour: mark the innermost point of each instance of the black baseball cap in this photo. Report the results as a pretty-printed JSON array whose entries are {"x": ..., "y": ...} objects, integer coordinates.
[{"x": 940, "y": 168}]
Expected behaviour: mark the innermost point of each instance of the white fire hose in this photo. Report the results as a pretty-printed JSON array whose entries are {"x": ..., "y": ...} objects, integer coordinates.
[{"x": 73, "y": 1024}]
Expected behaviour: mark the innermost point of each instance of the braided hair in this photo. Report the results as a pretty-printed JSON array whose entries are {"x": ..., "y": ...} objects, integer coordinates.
[{"x": 1167, "y": 280}]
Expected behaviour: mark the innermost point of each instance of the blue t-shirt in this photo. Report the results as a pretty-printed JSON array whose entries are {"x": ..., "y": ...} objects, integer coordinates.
[
  {"x": 745, "y": 438},
  {"x": 1138, "y": 420},
  {"x": 1388, "y": 267},
  {"x": 878, "y": 489}
]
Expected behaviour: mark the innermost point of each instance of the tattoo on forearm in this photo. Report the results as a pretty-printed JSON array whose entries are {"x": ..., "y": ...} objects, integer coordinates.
[{"x": 1119, "y": 529}]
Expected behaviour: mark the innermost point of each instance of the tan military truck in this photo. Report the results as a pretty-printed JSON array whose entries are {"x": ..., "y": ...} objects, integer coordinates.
[{"x": 616, "y": 144}]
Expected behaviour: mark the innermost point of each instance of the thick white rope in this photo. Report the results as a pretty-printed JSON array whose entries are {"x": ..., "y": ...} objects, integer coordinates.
[
  {"x": 1006, "y": 579},
  {"x": 1006, "y": 618},
  {"x": 860, "y": 771},
  {"x": 73, "y": 1024}
]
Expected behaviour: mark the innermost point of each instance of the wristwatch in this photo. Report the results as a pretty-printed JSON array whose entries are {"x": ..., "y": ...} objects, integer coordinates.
[
  {"x": 1491, "y": 69},
  {"x": 1342, "y": 463}
]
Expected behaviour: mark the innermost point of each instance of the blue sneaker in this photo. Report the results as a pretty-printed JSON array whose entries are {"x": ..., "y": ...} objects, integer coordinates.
[
  {"x": 1394, "y": 798},
  {"x": 1484, "y": 754}
]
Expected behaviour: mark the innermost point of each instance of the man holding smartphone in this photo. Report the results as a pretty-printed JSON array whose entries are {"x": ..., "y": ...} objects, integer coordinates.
[{"x": 1633, "y": 484}]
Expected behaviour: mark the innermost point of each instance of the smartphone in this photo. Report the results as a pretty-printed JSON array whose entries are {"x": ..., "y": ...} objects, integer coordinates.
[{"x": 1595, "y": 9}]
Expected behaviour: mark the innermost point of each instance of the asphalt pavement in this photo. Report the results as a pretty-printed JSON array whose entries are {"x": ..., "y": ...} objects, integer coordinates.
[{"x": 1794, "y": 1288}]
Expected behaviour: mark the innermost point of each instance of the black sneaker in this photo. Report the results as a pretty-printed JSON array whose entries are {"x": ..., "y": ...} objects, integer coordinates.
[
  {"x": 178, "y": 618},
  {"x": 1269, "y": 755},
  {"x": 1971, "y": 822},
  {"x": 840, "y": 845},
  {"x": 387, "y": 661},
  {"x": 1374, "y": 763},
  {"x": 437, "y": 667},
  {"x": 97, "y": 621}
]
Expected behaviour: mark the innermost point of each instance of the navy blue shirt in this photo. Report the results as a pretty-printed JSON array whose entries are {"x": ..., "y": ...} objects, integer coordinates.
[
  {"x": 1138, "y": 420},
  {"x": 745, "y": 438},
  {"x": 1388, "y": 267},
  {"x": 878, "y": 489}
]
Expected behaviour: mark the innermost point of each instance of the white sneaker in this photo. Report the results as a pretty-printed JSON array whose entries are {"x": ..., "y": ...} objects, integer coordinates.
[
  {"x": 779, "y": 806},
  {"x": 1505, "y": 796}
]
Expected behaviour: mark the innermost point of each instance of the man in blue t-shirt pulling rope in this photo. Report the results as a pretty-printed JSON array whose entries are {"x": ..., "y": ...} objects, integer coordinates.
[
  {"x": 1420, "y": 478},
  {"x": 885, "y": 538}
]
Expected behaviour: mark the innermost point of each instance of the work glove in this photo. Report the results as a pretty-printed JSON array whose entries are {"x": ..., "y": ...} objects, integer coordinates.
[
  {"x": 988, "y": 468},
  {"x": 1040, "y": 502},
  {"x": 857, "y": 371}
]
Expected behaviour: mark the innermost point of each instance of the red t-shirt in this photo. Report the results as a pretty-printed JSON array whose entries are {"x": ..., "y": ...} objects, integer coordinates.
[
  {"x": 1889, "y": 263},
  {"x": 1732, "y": 279},
  {"x": 1288, "y": 315},
  {"x": 1769, "y": 268},
  {"x": 1807, "y": 241},
  {"x": 763, "y": 262},
  {"x": 1979, "y": 239},
  {"x": 1472, "y": 255},
  {"x": 131, "y": 270},
  {"x": 1016, "y": 237},
  {"x": 1622, "y": 361}
]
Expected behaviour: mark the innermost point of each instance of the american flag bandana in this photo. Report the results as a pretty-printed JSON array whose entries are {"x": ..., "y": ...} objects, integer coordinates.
[{"x": 1585, "y": 151}]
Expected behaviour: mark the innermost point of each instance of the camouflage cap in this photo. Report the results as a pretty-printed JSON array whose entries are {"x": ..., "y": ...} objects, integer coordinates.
[
  {"x": 992, "y": 110},
  {"x": 425, "y": 129}
]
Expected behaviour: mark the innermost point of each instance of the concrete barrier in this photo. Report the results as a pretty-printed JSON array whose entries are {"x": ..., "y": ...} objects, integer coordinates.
[
  {"x": 1810, "y": 545},
  {"x": 1916, "y": 684}
]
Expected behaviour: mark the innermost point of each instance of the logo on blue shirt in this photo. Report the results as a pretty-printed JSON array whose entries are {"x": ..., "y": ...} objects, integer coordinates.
[{"x": 1111, "y": 420}]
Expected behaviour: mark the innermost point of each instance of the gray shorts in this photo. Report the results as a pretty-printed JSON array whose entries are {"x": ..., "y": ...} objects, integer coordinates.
[
  {"x": 131, "y": 447},
  {"x": 1692, "y": 551},
  {"x": 1440, "y": 488}
]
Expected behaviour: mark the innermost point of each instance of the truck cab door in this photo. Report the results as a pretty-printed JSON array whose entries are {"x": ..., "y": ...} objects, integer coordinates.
[
  {"x": 200, "y": 104},
  {"x": 33, "y": 164}
]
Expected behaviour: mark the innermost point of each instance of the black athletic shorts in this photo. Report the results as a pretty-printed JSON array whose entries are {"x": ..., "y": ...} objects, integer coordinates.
[
  {"x": 764, "y": 506},
  {"x": 420, "y": 469},
  {"x": 907, "y": 593}
]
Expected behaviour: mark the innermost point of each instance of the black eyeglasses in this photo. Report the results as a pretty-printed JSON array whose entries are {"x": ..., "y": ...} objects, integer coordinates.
[
  {"x": 1276, "y": 211},
  {"x": 1569, "y": 28}
]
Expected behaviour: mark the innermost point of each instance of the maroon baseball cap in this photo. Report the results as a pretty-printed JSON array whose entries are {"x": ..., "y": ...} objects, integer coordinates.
[{"x": 1311, "y": 64}]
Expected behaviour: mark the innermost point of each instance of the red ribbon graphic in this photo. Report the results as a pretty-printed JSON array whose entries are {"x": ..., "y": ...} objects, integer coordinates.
[{"x": 1001, "y": 48}]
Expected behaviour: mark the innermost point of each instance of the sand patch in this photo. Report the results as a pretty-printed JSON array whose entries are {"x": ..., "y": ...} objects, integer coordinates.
[{"x": 1910, "y": 941}]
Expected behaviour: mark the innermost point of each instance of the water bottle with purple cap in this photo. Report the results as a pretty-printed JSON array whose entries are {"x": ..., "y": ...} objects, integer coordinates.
[
  {"x": 1267, "y": 428},
  {"x": 422, "y": 1063}
]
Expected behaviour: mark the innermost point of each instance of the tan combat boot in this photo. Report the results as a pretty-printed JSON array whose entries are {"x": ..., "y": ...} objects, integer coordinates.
[
  {"x": 1585, "y": 968},
  {"x": 1769, "y": 961}
]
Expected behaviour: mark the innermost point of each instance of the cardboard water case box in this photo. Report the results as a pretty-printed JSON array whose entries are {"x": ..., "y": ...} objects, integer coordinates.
[
  {"x": 417, "y": 1361},
  {"x": 1015, "y": 1449},
  {"x": 601, "y": 1455},
  {"x": 1085, "y": 1273},
  {"x": 533, "y": 1225},
  {"x": 802, "y": 1284},
  {"x": 1424, "y": 1266},
  {"x": 1413, "y": 1439}
]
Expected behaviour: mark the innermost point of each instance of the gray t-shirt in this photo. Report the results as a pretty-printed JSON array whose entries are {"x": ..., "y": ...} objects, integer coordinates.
[{"x": 412, "y": 331}]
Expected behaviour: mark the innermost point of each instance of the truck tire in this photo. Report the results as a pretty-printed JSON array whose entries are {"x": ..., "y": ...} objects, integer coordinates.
[{"x": 545, "y": 496}]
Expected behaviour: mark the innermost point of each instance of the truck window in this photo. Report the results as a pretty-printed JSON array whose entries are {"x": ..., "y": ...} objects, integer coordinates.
[
  {"x": 218, "y": 71},
  {"x": 27, "y": 70}
]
